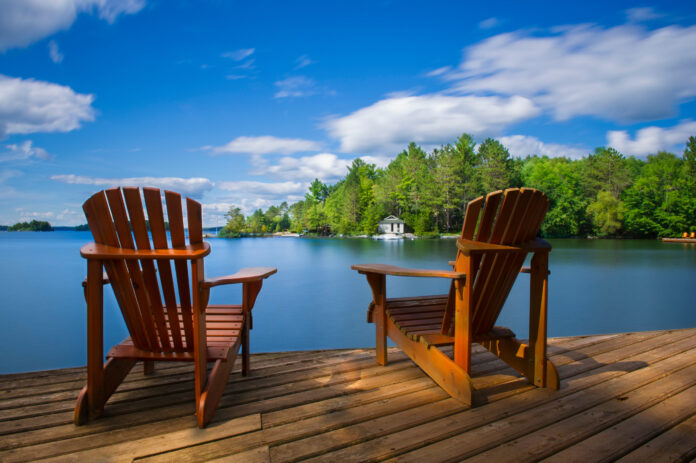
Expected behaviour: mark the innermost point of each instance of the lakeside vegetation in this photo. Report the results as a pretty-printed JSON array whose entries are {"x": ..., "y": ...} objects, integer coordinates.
[
  {"x": 34, "y": 225},
  {"x": 603, "y": 194}
]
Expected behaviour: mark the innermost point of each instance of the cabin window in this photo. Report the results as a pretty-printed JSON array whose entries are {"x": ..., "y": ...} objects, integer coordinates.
[{"x": 392, "y": 225}]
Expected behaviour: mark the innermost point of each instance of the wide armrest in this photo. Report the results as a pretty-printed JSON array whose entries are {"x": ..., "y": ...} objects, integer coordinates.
[
  {"x": 383, "y": 269},
  {"x": 470, "y": 248},
  {"x": 245, "y": 275},
  {"x": 105, "y": 252}
]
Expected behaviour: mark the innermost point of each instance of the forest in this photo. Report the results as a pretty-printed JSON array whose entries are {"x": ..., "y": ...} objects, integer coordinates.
[{"x": 604, "y": 194}]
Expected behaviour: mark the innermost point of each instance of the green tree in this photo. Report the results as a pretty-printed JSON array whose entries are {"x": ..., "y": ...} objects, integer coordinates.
[
  {"x": 560, "y": 179},
  {"x": 606, "y": 213},
  {"x": 606, "y": 169},
  {"x": 496, "y": 170},
  {"x": 655, "y": 204},
  {"x": 235, "y": 223},
  {"x": 256, "y": 222}
]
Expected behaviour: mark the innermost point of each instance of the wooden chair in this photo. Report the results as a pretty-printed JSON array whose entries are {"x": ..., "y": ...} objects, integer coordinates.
[
  {"x": 138, "y": 265},
  {"x": 490, "y": 255}
]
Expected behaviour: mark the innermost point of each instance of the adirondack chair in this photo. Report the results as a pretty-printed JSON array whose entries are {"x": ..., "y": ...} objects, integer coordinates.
[
  {"x": 138, "y": 265},
  {"x": 490, "y": 255}
]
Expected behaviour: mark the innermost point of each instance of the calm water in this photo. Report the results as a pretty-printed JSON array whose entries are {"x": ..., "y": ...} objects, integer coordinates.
[{"x": 316, "y": 301}]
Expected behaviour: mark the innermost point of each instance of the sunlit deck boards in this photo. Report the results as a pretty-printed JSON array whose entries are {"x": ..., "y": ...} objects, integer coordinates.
[{"x": 625, "y": 396}]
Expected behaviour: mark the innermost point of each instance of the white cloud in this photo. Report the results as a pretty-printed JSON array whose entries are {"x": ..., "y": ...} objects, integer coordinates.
[
  {"x": 23, "y": 151},
  {"x": 265, "y": 189},
  {"x": 296, "y": 86},
  {"x": 28, "y": 106},
  {"x": 112, "y": 9},
  {"x": 23, "y": 22},
  {"x": 439, "y": 71},
  {"x": 390, "y": 124},
  {"x": 265, "y": 145},
  {"x": 54, "y": 52},
  {"x": 302, "y": 62},
  {"x": 238, "y": 55},
  {"x": 326, "y": 167},
  {"x": 189, "y": 186},
  {"x": 650, "y": 140},
  {"x": 489, "y": 23},
  {"x": 625, "y": 73},
  {"x": 26, "y": 216},
  {"x": 379, "y": 161},
  {"x": 642, "y": 14},
  {"x": 524, "y": 145}
]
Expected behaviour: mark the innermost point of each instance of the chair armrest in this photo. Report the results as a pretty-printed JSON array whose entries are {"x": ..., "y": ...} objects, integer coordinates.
[
  {"x": 470, "y": 248},
  {"x": 245, "y": 275},
  {"x": 383, "y": 269},
  {"x": 105, "y": 252}
]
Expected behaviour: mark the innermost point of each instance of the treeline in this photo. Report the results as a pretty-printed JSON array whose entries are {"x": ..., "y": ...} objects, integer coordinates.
[
  {"x": 275, "y": 219},
  {"x": 603, "y": 194},
  {"x": 34, "y": 225}
]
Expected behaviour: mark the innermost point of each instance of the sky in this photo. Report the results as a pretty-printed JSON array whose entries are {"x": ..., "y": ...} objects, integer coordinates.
[{"x": 245, "y": 103}]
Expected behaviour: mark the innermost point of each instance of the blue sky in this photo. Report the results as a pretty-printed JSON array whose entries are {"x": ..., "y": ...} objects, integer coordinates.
[{"x": 245, "y": 103}]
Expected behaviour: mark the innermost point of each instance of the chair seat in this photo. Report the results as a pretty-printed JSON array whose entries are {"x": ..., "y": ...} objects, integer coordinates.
[
  {"x": 420, "y": 319},
  {"x": 223, "y": 329}
]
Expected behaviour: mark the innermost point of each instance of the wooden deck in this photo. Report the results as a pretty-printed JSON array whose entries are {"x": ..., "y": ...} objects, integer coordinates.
[{"x": 625, "y": 396}]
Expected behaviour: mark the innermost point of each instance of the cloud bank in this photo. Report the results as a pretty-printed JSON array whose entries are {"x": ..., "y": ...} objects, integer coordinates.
[
  {"x": 29, "y": 106},
  {"x": 194, "y": 187},
  {"x": 390, "y": 124},
  {"x": 625, "y": 73},
  {"x": 23, "y": 22},
  {"x": 650, "y": 140},
  {"x": 265, "y": 145}
]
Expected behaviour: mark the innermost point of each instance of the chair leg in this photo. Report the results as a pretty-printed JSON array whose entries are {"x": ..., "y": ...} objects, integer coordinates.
[
  {"x": 215, "y": 386},
  {"x": 114, "y": 372},
  {"x": 378, "y": 284},
  {"x": 148, "y": 367},
  {"x": 538, "y": 365},
  {"x": 245, "y": 349}
]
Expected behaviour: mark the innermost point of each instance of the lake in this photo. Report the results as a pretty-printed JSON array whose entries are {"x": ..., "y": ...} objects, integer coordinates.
[{"x": 316, "y": 302}]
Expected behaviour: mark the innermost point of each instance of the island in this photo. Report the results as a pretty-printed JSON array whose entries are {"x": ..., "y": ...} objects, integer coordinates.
[{"x": 34, "y": 225}]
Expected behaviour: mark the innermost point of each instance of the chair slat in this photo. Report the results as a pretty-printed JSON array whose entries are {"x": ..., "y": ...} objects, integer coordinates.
[
  {"x": 489, "y": 212},
  {"x": 485, "y": 276},
  {"x": 486, "y": 224},
  {"x": 134, "y": 203},
  {"x": 473, "y": 209},
  {"x": 121, "y": 222},
  {"x": 502, "y": 266},
  {"x": 195, "y": 221},
  {"x": 176, "y": 228},
  {"x": 155, "y": 215},
  {"x": 471, "y": 218},
  {"x": 104, "y": 233}
]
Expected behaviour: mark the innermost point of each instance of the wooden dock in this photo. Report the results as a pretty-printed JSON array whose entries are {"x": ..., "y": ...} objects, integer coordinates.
[{"x": 625, "y": 396}]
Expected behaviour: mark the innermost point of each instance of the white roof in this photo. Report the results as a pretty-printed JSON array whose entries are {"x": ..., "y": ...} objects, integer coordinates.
[{"x": 391, "y": 219}]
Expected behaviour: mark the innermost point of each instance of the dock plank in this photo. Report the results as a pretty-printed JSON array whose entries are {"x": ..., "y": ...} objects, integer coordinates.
[
  {"x": 623, "y": 395},
  {"x": 676, "y": 444}
]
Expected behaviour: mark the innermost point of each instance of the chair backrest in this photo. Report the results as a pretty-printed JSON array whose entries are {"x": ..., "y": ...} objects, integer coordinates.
[
  {"x": 510, "y": 217},
  {"x": 116, "y": 217}
]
